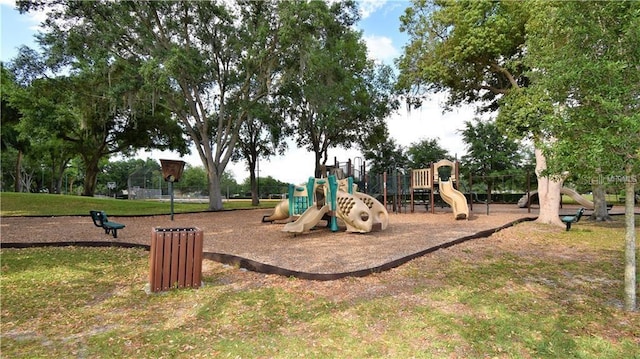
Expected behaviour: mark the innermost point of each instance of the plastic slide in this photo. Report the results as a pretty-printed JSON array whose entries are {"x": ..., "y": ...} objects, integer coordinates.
[
  {"x": 577, "y": 197},
  {"x": 455, "y": 199},
  {"x": 281, "y": 211},
  {"x": 522, "y": 203},
  {"x": 307, "y": 220}
]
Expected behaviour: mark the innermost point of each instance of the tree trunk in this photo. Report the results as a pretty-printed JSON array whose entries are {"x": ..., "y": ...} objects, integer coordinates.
[
  {"x": 630, "y": 242},
  {"x": 318, "y": 168},
  {"x": 215, "y": 195},
  {"x": 27, "y": 181},
  {"x": 600, "y": 204},
  {"x": 548, "y": 193},
  {"x": 17, "y": 184},
  {"x": 90, "y": 178},
  {"x": 255, "y": 200},
  {"x": 59, "y": 170},
  {"x": 58, "y": 185}
]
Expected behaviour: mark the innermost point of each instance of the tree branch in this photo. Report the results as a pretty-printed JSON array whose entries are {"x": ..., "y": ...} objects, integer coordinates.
[{"x": 499, "y": 69}]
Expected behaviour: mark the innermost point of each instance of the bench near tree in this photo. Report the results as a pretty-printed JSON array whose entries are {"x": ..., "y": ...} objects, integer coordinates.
[
  {"x": 101, "y": 220},
  {"x": 568, "y": 220}
]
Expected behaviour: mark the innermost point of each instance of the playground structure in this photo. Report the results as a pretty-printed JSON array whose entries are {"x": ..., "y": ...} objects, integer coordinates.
[
  {"x": 527, "y": 200},
  {"x": 336, "y": 201},
  {"x": 339, "y": 202},
  {"x": 425, "y": 180}
]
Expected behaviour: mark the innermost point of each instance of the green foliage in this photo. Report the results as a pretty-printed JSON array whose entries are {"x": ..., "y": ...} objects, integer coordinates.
[
  {"x": 10, "y": 137},
  {"x": 389, "y": 156},
  {"x": 491, "y": 154},
  {"x": 146, "y": 174},
  {"x": 426, "y": 151},
  {"x": 333, "y": 95},
  {"x": 194, "y": 179},
  {"x": 586, "y": 60},
  {"x": 269, "y": 186},
  {"x": 206, "y": 63},
  {"x": 386, "y": 156},
  {"x": 95, "y": 111},
  {"x": 472, "y": 49},
  {"x": 10, "y": 114}
]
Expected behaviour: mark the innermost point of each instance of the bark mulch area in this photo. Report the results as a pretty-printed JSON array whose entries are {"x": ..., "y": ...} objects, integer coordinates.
[{"x": 242, "y": 234}]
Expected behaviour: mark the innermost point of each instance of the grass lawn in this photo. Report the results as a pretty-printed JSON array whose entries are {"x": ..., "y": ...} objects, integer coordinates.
[
  {"x": 526, "y": 292},
  {"x": 41, "y": 204},
  {"x": 611, "y": 199}
]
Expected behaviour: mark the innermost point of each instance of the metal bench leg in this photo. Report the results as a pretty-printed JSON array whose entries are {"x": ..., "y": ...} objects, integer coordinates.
[
  {"x": 568, "y": 225},
  {"x": 115, "y": 232}
]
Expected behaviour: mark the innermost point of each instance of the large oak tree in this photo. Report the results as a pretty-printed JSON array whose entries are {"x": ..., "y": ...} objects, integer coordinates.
[
  {"x": 474, "y": 51},
  {"x": 197, "y": 58},
  {"x": 585, "y": 61},
  {"x": 93, "y": 110},
  {"x": 337, "y": 97}
]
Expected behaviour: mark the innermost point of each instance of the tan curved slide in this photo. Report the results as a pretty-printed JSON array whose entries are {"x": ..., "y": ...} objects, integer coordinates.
[
  {"x": 307, "y": 220},
  {"x": 522, "y": 203},
  {"x": 455, "y": 199},
  {"x": 577, "y": 197},
  {"x": 281, "y": 211}
]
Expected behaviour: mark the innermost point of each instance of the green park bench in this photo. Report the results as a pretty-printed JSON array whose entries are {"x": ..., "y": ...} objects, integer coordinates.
[
  {"x": 101, "y": 220},
  {"x": 568, "y": 220}
]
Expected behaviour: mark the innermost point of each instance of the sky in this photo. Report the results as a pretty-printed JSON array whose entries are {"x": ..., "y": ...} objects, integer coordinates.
[{"x": 380, "y": 25}]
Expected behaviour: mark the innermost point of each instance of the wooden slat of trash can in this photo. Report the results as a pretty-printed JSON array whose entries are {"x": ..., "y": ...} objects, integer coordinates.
[
  {"x": 155, "y": 260},
  {"x": 197, "y": 258},
  {"x": 175, "y": 258}
]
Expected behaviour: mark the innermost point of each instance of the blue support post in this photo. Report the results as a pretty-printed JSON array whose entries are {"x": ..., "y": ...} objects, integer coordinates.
[
  {"x": 310, "y": 184},
  {"x": 292, "y": 189},
  {"x": 333, "y": 200}
]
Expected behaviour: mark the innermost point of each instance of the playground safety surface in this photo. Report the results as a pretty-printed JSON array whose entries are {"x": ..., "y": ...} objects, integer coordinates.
[{"x": 240, "y": 238}]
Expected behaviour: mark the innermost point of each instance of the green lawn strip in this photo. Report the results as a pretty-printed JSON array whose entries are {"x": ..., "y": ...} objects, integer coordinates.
[
  {"x": 40, "y": 204},
  {"x": 610, "y": 198}
]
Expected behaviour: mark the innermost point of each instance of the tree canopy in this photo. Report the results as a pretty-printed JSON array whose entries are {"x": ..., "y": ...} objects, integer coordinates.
[
  {"x": 215, "y": 66},
  {"x": 475, "y": 51},
  {"x": 471, "y": 49},
  {"x": 386, "y": 156},
  {"x": 337, "y": 96},
  {"x": 585, "y": 66},
  {"x": 94, "y": 110},
  {"x": 488, "y": 150},
  {"x": 202, "y": 61},
  {"x": 564, "y": 74},
  {"x": 424, "y": 152}
]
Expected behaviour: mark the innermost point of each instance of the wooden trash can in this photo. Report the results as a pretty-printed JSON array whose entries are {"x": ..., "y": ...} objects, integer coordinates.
[{"x": 175, "y": 259}]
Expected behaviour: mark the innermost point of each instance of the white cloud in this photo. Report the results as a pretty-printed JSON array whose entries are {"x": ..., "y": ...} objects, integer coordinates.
[
  {"x": 368, "y": 7},
  {"x": 381, "y": 48},
  {"x": 428, "y": 122}
]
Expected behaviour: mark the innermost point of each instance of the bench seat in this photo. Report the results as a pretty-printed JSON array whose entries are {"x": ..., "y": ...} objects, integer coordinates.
[
  {"x": 101, "y": 220},
  {"x": 568, "y": 220}
]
